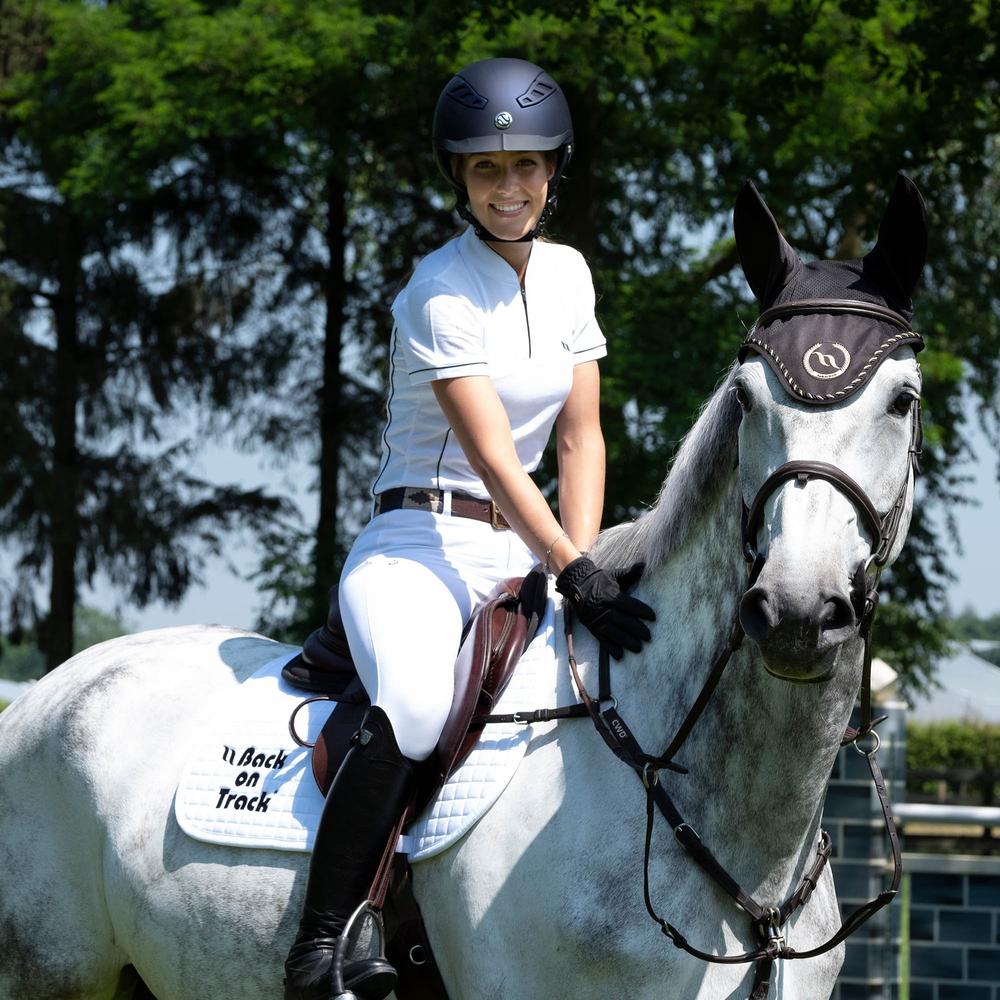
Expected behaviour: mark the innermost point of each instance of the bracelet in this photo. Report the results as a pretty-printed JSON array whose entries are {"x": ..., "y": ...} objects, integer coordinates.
[{"x": 548, "y": 551}]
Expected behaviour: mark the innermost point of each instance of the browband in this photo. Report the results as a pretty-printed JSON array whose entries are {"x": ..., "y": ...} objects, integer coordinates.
[{"x": 852, "y": 306}]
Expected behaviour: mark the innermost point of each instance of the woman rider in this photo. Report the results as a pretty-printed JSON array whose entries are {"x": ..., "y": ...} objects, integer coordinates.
[{"x": 495, "y": 340}]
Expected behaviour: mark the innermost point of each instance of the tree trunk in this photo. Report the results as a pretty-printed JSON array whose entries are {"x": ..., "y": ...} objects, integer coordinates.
[
  {"x": 577, "y": 215},
  {"x": 65, "y": 486},
  {"x": 327, "y": 549}
]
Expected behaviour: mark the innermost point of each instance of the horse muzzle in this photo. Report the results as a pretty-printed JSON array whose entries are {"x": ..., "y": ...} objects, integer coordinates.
[{"x": 800, "y": 633}]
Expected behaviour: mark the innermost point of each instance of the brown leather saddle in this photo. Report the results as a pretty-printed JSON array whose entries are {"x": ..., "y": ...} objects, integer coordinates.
[{"x": 492, "y": 643}]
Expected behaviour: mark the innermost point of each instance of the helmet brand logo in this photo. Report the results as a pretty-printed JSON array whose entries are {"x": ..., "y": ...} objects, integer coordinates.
[
  {"x": 504, "y": 120},
  {"x": 826, "y": 360}
]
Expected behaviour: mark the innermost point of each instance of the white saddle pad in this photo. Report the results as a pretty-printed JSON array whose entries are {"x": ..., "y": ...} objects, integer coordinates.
[{"x": 250, "y": 785}]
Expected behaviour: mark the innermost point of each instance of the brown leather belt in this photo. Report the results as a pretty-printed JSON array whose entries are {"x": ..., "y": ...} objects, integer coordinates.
[{"x": 421, "y": 498}]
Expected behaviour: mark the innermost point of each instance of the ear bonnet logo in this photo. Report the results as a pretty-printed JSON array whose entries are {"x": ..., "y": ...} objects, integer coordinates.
[
  {"x": 504, "y": 120},
  {"x": 826, "y": 360}
]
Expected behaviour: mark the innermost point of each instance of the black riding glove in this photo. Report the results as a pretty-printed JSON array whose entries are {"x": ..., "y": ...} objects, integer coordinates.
[{"x": 602, "y": 604}]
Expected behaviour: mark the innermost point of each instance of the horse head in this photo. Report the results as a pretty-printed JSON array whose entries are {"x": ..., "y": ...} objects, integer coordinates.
[{"x": 829, "y": 388}]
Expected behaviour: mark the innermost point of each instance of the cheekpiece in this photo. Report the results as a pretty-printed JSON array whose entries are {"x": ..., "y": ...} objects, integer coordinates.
[{"x": 822, "y": 350}]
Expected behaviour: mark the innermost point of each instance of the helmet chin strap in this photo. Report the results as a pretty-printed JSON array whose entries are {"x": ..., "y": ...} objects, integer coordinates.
[{"x": 484, "y": 234}]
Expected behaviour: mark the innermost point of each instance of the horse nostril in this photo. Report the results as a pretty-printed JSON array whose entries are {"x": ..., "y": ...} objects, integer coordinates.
[
  {"x": 756, "y": 614},
  {"x": 838, "y": 613}
]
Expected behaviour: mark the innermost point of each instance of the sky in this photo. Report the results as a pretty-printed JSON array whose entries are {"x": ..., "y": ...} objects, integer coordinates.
[{"x": 228, "y": 599}]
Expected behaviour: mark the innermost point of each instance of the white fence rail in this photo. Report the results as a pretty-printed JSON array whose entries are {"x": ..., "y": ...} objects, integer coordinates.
[{"x": 927, "y": 812}]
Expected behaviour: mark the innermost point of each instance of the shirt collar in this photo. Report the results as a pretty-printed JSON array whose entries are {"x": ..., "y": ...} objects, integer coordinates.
[{"x": 488, "y": 261}]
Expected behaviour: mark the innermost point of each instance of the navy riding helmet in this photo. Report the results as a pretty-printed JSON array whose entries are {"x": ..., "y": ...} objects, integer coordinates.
[{"x": 506, "y": 104}]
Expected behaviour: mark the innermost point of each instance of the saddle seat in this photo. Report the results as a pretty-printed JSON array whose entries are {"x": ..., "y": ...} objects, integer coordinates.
[{"x": 498, "y": 633}]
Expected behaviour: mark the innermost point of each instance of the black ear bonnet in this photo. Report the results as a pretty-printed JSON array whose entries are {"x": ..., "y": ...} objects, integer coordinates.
[{"x": 820, "y": 345}]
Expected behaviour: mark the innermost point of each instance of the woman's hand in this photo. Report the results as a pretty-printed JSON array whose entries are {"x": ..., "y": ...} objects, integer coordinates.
[{"x": 601, "y": 602}]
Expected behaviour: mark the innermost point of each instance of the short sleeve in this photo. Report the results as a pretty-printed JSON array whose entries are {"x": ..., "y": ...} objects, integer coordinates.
[
  {"x": 440, "y": 333},
  {"x": 589, "y": 342}
]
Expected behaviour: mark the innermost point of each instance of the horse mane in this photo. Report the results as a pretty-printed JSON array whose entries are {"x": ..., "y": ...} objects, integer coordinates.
[{"x": 703, "y": 462}]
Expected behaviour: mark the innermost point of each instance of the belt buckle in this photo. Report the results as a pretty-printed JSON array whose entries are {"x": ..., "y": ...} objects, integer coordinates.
[{"x": 497, "y": 519}]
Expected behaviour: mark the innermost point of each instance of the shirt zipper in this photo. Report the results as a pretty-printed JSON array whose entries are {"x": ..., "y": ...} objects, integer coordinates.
[{"x": 527, "y": 322}]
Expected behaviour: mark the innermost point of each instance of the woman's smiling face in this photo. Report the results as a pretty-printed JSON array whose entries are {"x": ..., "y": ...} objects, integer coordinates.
[{"x": 507, "y": 190}]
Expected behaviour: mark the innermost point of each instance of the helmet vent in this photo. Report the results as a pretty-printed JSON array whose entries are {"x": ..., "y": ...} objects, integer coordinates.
[
  {"x": 466, "y": 95},
  {"x": 540, "y": 89}
]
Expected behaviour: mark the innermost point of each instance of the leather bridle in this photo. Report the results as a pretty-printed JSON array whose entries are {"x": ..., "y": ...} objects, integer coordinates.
[{"x": 767, "y": 920}]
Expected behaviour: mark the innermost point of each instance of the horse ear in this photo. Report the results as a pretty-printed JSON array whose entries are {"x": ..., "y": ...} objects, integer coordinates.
[
  {"x": 767, "y": 258},
  {"x": 901, "y": 249}
]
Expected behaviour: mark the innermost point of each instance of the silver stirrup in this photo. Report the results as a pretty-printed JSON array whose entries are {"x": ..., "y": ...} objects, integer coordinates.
[{"x": 363, "y": 937}]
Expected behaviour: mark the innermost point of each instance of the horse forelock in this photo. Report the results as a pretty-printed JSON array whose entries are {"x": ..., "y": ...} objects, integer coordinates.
[{"x": 704, "y": 463}]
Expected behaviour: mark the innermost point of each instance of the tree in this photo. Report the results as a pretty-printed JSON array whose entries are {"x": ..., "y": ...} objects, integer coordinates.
[
  {"x": 94, "y": 357},
  {"x": 286, "y": 145},
  {"x": 821, "y": 104},
  {"x": 320, "y": 175}
]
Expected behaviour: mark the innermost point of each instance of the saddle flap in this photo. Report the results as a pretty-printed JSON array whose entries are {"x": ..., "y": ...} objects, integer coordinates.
[
  {"x": 334, "y": 741},
  {"x": 495, "y": 638}
]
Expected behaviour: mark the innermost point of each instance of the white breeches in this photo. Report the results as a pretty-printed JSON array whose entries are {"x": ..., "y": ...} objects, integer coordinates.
[{"x": 410, "y": 583}]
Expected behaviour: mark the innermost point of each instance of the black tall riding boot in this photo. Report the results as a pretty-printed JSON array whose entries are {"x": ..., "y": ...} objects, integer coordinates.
[{"x": 362, "y": 806}]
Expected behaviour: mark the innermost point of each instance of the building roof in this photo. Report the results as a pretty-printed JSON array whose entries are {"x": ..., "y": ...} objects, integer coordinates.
[{"x": 970, "y": 689}]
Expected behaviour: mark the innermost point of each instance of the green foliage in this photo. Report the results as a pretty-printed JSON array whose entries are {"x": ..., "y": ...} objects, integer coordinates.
[
  {"x": 953, "y": 744},
  {"x": 99, "y": 349},
  {"x": 272, "y": 157},
  {"x": 912, "y": 638},
  {"x": 946, "y": 745},
  {"x": 284, "y": 578},
  {"x": 94, "y": 626},
  {"x": 969, "y": 625},
  {"x": 22, "y": 661}
]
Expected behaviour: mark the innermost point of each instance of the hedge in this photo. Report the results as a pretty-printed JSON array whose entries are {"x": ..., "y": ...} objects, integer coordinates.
[{"x": 973, "y": 746}]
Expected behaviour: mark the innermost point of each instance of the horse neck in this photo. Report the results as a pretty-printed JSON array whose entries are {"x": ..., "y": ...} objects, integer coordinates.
[{"x": 761, "y": 754}]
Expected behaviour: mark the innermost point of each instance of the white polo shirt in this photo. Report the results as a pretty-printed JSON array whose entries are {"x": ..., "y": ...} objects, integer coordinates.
[{"x": 463, "y": 312}]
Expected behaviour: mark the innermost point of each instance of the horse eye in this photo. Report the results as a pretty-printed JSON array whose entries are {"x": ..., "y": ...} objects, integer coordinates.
[
  {"x": 743, "y": 398},
  {"x": 902, "y": 403}
]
